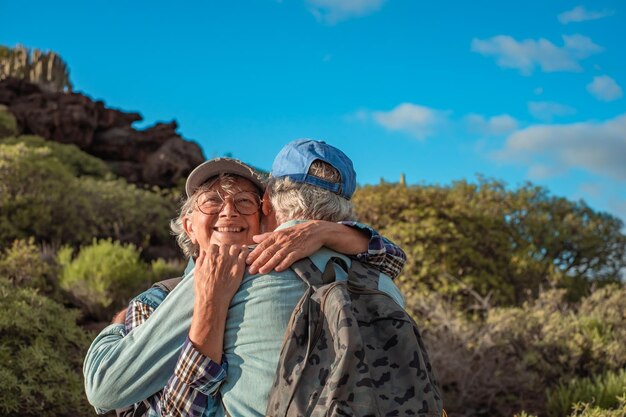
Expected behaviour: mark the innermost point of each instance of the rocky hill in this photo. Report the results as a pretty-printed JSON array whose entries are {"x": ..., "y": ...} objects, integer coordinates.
[{"x": 154, "y": 156}]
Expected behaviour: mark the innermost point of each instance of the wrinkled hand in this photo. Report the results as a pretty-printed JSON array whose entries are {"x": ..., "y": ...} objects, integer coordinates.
[
  {"x": 278, "y": 250},
  {"x": 217, "y": 277},
  {"x": 218, "y": 273}
]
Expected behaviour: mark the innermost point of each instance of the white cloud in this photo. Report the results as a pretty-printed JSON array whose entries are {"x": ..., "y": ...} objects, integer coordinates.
[
  {"x": 580, "y": 14},
  {"x": 540, "y": 171},
  {"x": 591, "y": 189},
  {"x": 596, "y": 147},
  {"x": 547, "y": 110},
  {"x": 605, "y": 88},
  {"x": 496, "y": 125},
  {"x": 419, "y": 121},
  {"x": 333, "y": 11},
  {"x": 527, "y": 54}
]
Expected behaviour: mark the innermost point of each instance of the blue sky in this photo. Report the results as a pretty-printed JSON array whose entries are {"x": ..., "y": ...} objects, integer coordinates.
[{"x": 439, "y": 91}]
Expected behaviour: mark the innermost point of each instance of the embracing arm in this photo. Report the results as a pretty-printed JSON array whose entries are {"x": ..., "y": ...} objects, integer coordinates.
[{"x": 278, "y": 250}]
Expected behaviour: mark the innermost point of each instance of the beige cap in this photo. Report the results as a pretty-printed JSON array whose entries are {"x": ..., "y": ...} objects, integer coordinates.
[{"x": 203, "y": 172}]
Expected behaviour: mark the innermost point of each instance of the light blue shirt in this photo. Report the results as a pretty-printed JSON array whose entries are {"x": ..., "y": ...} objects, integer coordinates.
[{"x": 120, "y": 371}]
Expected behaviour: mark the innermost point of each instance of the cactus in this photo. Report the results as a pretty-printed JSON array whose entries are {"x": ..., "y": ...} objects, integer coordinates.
[{"x": 46, "y": 69}]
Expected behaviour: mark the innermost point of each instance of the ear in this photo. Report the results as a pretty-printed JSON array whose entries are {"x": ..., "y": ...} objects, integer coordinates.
[
  {"x": 266, "y": 204},
  {"x": 188, "y": 226}
]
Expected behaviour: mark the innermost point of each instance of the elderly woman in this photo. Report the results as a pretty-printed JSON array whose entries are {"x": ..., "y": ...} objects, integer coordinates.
[{"x": 220, "y": 218}]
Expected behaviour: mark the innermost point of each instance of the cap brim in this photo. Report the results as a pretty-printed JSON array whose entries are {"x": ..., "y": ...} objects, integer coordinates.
[{"x": 215, "y": 167}]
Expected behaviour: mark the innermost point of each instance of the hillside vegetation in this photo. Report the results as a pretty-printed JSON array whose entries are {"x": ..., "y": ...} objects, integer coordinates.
[{"x": 517, "y": 292}]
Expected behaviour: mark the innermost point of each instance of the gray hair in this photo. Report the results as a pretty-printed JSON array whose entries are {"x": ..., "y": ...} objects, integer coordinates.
[
  {"x": 226, "y": 182},
  {"x": 294, "y": 200}
]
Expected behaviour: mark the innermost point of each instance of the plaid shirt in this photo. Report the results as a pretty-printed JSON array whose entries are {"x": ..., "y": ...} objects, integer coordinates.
[{"x": 192, "y": 389}]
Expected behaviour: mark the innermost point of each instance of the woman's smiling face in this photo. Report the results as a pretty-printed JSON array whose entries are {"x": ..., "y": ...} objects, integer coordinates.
[{"x": 228, "y": 225}]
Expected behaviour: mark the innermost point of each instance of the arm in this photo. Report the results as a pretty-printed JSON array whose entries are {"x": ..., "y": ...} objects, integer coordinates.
[
  {"x": 278, "y": 250},
  {"x": 196, "y": 376},
  {"x": 124, "y": 370},
  {"x": 120, "y": 371},
  {"x": 381, "y": 253}
]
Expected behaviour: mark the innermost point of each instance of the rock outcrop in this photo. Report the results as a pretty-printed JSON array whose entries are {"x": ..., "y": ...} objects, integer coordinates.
[
  {"x": 46, "y": 69},
  {"x": 154, "y": 156}
]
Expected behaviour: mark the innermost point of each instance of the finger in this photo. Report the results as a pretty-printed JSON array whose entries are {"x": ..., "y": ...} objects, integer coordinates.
[
  {"x": 272, "y": 262},
  {"x": 260, "y": 238},
  {"x": 241, "y": 259},
  {"x": 213, "y": 249},
  {"x": 259, "y": 262},
  {"x": 245, "y": 252},
  {"x": 260, "y": 248},
  {"x": 287, "y": 262},
  {"x": 234, "y": 250}
]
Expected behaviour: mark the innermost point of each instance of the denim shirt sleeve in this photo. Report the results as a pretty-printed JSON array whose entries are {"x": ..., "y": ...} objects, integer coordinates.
[
  {"x": 142, "y": 306},
  {"x": 382, "y": 253},
  {"x": 120, "y": 371}
]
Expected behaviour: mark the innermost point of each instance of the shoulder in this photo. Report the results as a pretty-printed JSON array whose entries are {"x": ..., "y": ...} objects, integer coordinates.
[{"x": 152, "y": 297}]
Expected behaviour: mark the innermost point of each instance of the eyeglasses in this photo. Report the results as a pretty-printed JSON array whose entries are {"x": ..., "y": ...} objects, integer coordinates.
[{"x": 212, "y": 202}]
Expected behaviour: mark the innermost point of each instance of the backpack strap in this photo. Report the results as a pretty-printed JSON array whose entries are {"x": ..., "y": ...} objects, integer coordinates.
[
  {"x": 363, "y": 276},
  {"x": 308, "y": 272},
  {"x": 168, "y": 285}
]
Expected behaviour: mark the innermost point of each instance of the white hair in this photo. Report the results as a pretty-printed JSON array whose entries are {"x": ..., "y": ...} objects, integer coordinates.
[{"x": 297, "y": 201}]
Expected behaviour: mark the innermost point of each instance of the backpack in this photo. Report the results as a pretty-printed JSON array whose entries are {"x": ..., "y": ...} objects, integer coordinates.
[{"x": 351, "y": 350}]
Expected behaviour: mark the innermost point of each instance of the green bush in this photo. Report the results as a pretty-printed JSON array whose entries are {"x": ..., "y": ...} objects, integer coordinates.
[
  {"x": 590, "y": 409},
  {"x": 103, "y": 276},
  {"x": 8, "y": 125},
  {"x": 24, "y": 266},
  {"x": 41, "y": 354},
  {"x": 502, "y": 363},
  {"x": 126, "y": 213},
  {"x": 42, "y": 197},
  {"x": 504, "y": 245},
  {"x": 78, "y": 162},
  {"x": 603, "y": 391},
  {"x": 161, "y": 269}
]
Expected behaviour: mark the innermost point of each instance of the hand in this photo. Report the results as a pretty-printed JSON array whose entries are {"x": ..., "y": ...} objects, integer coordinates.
[
  {"x": 120, "y": 317},
  {"x": 218, "y": 273},
  {"x": 217, "y": 277},
  {"x": 278, "y": 250}
]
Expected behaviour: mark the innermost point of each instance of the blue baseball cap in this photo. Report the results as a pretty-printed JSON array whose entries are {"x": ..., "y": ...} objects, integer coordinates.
[{"x": 296, "y": 157}]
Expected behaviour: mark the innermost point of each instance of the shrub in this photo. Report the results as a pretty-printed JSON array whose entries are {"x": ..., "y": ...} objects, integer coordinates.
[
  {"x": 603, "y": 391},
  {"x": 502, "y": 244},
  {"x": 161, "y": 269},
  {"x": 126, "y": 213},
  {"x": 78, "y": 162},
  {"x": 41, "y": 197},
  {"x": 23, "y": 265},
  {"x": 41, "y": 353},
  {"x": 591, "y": 410},
  {"x": 8, "y": 125},
  {"x": 502, "y": 363},
  {"x": 103, "y": 276}
]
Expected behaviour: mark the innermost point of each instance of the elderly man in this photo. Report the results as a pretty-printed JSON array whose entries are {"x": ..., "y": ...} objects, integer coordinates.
[{"x": 310, "y": 180}]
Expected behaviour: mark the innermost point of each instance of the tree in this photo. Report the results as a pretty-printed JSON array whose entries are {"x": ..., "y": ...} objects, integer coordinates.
[{"x": 500, "y": 245}]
